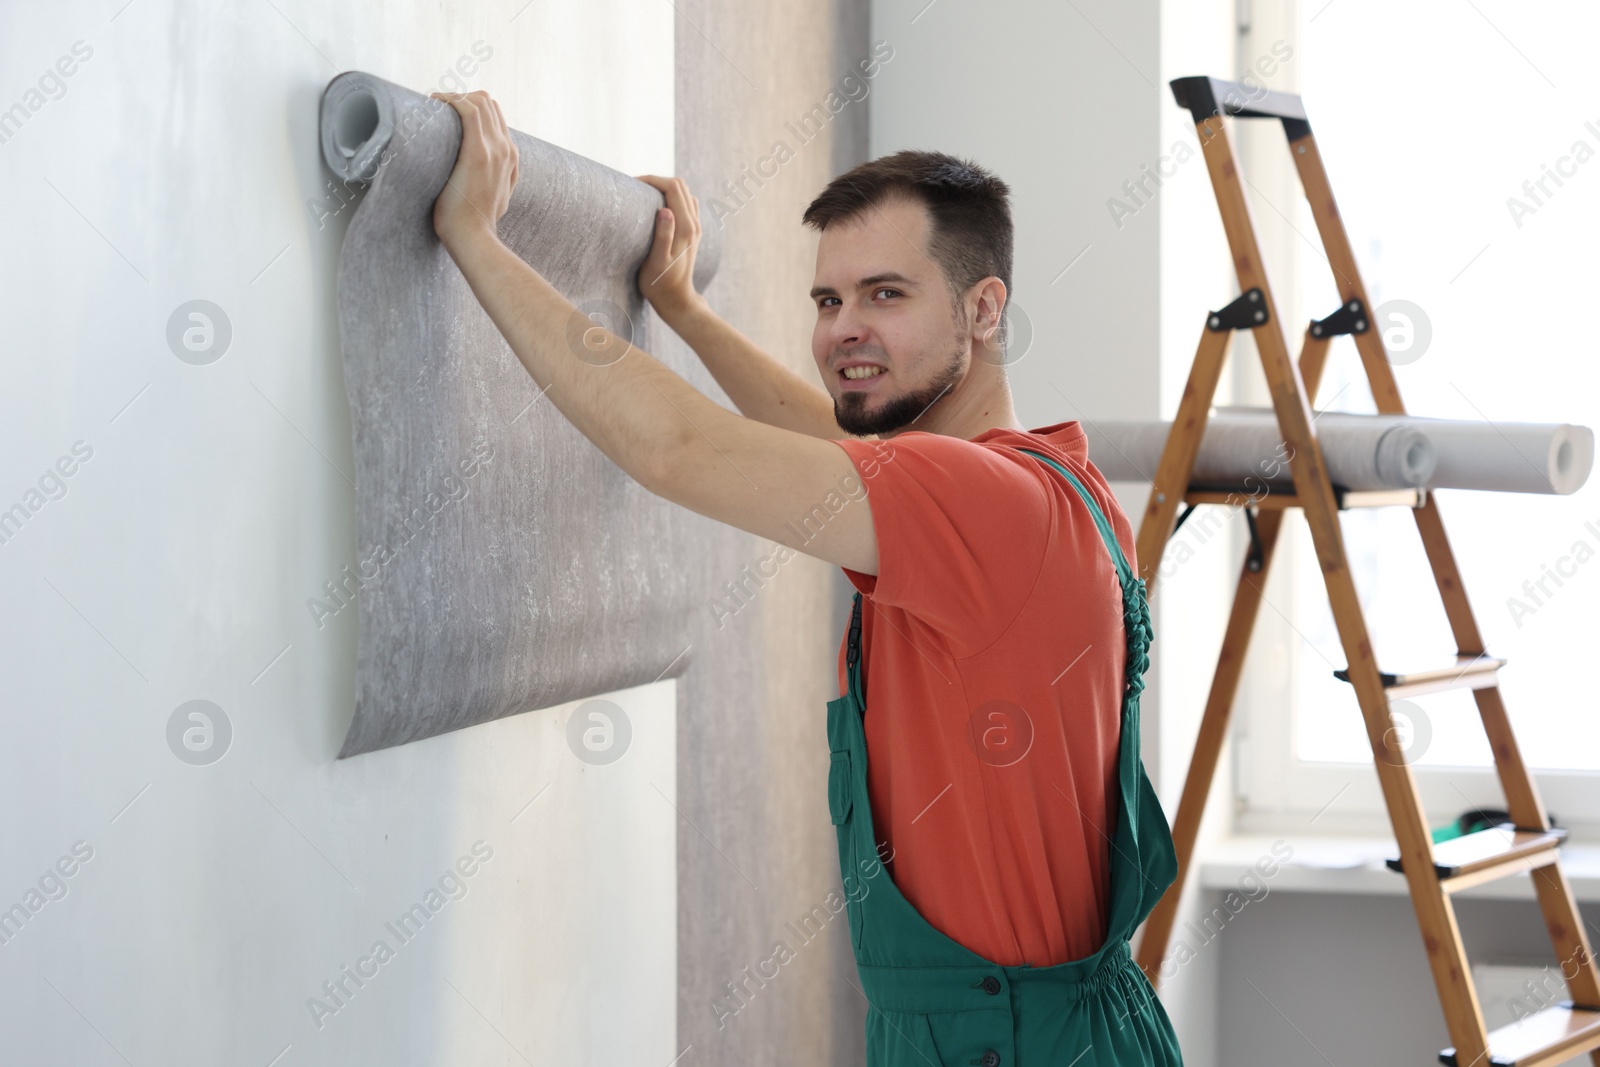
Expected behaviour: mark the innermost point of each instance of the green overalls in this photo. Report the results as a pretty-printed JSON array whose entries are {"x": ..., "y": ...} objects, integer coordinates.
[{"x": 935, "y": 1003}]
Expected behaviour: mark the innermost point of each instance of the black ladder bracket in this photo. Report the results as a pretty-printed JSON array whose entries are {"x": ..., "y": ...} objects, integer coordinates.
[
  {"x": 1351, "y": 318},
  {"x": 1255, "y": 558},
  {"x": 1246, "y": 312}
]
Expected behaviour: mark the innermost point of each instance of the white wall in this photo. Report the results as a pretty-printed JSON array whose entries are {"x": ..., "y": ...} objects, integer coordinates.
[
  {"x": 1258, "y": 42},
  {"x": 1191, "y": 597},
  {"x": 178, "y": 162},
  {"x": 1059, "y": 100}
]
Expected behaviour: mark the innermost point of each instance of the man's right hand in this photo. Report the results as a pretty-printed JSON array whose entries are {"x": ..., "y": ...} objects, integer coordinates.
[
  {"x": 666, "y": 278},
  {"x": 759, "y": 386}
]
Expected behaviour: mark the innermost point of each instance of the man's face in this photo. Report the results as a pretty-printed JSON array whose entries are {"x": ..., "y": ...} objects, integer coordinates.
[{"x": 888, "y": 341}]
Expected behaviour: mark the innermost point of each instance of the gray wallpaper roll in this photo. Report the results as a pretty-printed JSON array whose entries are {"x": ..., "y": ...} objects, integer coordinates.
[
  {"x": 1506, "y": 457},
  {"x": 1237, "y": 447},
  {"x": 1363, "y": 451},
  {"x": 503, "y": 562}
]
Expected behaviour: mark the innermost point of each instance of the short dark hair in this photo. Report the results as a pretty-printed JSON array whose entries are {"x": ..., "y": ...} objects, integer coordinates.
[{"x": 970, "y": 233}]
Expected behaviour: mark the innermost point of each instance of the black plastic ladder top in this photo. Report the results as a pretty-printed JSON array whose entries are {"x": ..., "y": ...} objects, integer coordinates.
[{"x": 1204, "y": 97}]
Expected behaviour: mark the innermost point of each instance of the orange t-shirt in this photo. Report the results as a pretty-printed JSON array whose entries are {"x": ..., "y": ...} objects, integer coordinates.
[{"x": 994, "y": 687}]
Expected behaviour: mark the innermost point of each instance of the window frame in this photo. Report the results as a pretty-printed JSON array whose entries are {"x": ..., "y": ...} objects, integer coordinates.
[{"x": 1277, "y": 790}]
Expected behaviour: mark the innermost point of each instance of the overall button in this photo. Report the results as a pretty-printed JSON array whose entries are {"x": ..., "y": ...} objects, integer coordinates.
[
  {"x": 990, "y": 1058},
  {"x": 991, "y": 985}
]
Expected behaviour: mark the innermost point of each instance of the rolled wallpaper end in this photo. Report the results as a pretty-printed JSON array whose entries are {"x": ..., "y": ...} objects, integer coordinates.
[
  {"x": 357, "y": 125},
  {"x": 366, "y": 122}
]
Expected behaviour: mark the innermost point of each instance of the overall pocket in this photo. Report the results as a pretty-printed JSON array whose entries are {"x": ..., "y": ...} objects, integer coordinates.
[
  {"x": 841, "y": 803},
  {"x": 839, "y": 791}
]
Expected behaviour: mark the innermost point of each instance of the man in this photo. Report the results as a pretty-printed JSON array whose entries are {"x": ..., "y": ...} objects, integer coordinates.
[{"x": 1003, "y": 622}]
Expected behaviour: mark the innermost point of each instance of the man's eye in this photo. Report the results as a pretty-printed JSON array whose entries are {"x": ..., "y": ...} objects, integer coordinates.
[
  {"x": 824, "y": 301},
  {"x": 886, "y": 290}
]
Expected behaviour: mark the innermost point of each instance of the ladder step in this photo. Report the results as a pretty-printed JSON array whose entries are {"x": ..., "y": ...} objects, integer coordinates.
[
  {"x": 1467, "y": 672},
  {"x": 1543, "y": 1039},
  {"x": 1267, "y": 497},
  {"x": 1490, "y": 854}
]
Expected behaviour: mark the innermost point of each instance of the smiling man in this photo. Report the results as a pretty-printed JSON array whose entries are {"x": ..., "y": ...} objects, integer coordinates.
[{"x": 1003, "y": 843}]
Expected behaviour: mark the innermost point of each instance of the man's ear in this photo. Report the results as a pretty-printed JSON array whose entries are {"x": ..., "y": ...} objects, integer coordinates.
[{"x": 987, "y": 336}]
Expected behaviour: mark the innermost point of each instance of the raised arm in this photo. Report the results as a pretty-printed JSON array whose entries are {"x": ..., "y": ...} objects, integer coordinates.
[
  {"x": 667, "y": 435},
  {"x": 760, "y": 386}
]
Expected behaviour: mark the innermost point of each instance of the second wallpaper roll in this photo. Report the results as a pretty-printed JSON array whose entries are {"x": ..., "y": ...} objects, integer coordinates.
[{"x": 1362, "y": 451}]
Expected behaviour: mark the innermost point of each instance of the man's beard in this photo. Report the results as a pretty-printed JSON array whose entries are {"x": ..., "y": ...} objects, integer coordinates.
[{"x": 851, "y": 412}]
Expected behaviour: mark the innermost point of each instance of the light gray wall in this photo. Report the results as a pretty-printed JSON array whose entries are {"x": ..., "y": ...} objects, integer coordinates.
[
  {"x": 1061, "y": 101},
  {"x": 1311, "y": 978},
  {"x": 1220, "y": 38},
  {"x": 756, "y": 850},
  {"x": 179, "y": 160}
]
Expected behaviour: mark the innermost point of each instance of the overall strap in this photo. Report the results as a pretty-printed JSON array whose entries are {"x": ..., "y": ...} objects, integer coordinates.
[
  {"x": 852, "y": 656},
  {"x": 1135, "y": 603},
  {"x": 1124, "y": 572},
  {"x": 1135, "y": 607}
]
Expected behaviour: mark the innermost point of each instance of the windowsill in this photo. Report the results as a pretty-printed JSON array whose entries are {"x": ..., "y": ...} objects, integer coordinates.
[{"x": 1356, "y": 865}]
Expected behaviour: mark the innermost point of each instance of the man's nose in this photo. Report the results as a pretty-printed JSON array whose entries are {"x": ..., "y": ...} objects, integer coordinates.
[{"x": 847, "y": 328}]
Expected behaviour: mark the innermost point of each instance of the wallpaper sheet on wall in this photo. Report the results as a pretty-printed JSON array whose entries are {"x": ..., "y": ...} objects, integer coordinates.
[{"x": 503, "y": 562}]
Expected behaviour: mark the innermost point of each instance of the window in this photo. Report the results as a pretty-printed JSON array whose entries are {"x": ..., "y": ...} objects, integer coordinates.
[{"x": 1463, "y": 144}]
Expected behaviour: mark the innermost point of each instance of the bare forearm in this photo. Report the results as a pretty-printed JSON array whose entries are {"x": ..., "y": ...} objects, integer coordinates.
[
  {"x": 761, "y": 387},
  {"x": 670, "y": 437},
  {"x": 652, "y": 423},
  {"x": 632, "y": 406}
]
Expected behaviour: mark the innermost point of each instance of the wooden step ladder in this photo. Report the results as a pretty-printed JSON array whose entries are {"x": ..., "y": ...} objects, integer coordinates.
[{"x": 1432, "y": 872}]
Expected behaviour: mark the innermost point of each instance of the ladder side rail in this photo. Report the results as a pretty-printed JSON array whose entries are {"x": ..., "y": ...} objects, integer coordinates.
[
  {"x": 1342, "y": 260},
  {"x": 1440, "y": 934},
  {"x": 1558, "y": 906},
  {"x": 1293, "y": 388},
  {"x": 1202, "y": 771},
  {"x": 1178, "y": 454}
]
